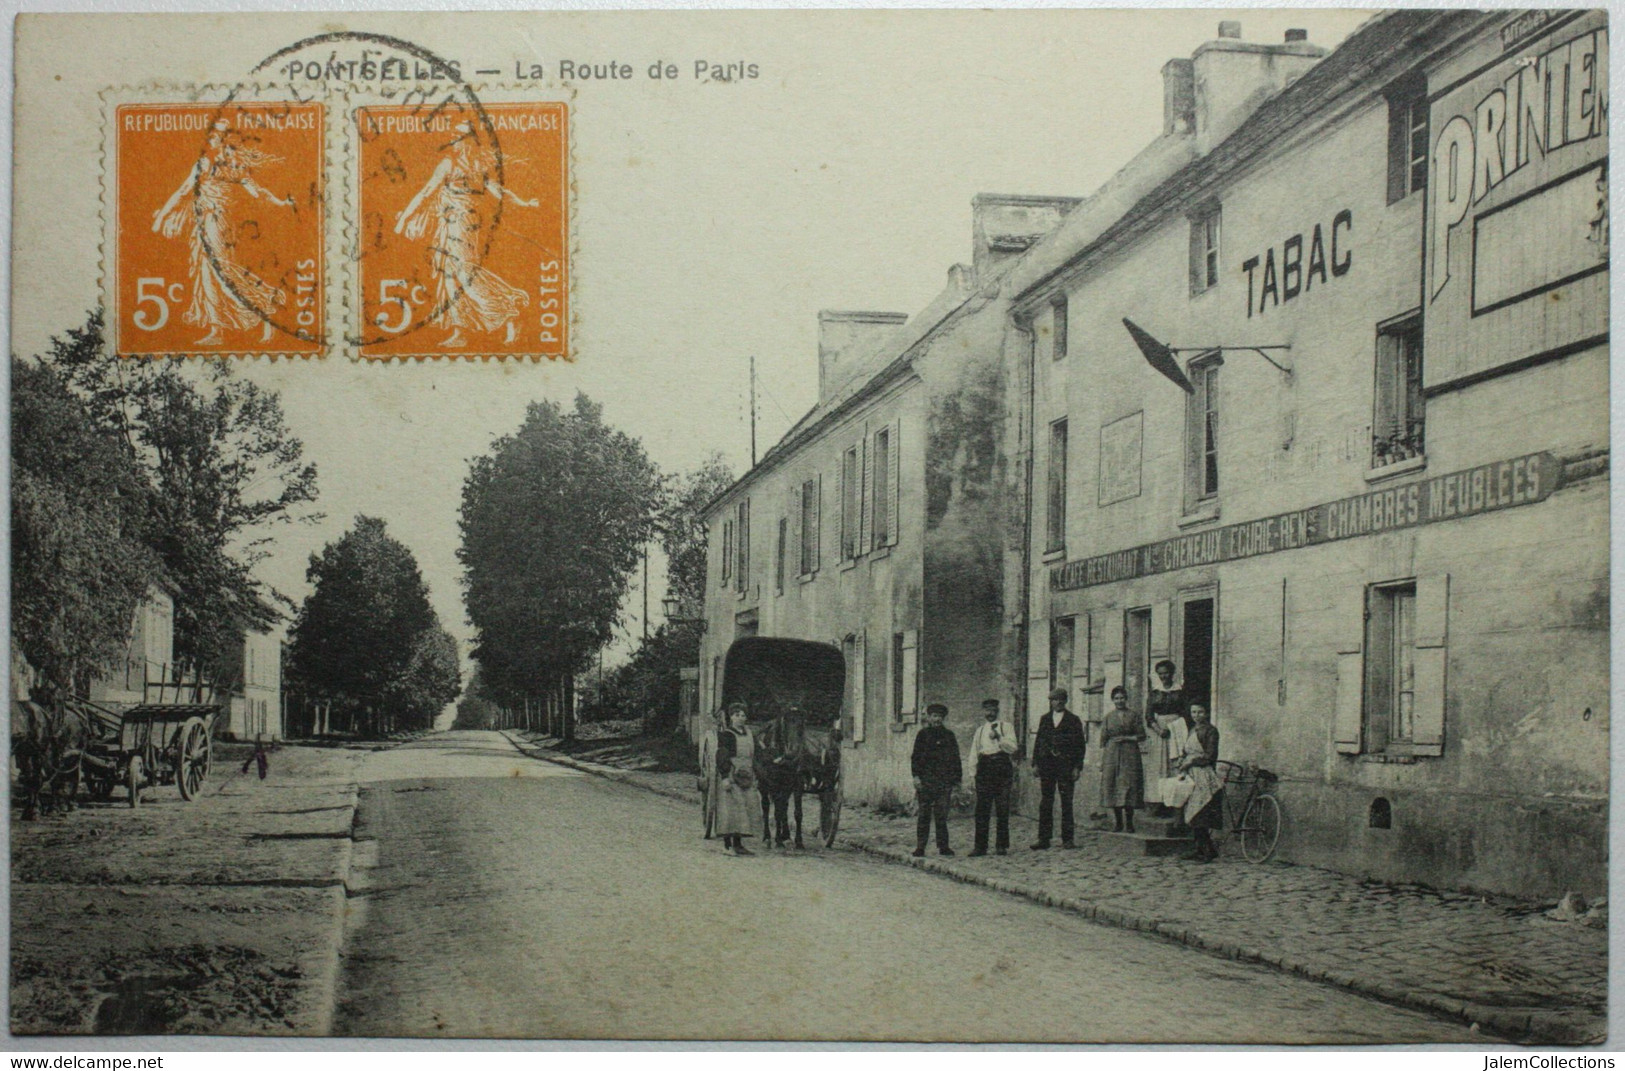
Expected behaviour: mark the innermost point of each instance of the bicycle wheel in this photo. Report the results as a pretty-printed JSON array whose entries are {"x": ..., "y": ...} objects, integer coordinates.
[{"x": 1260, "y": 828}]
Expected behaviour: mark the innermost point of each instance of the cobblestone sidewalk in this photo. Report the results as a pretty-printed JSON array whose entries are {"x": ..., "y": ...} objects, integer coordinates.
[{"x": 1499, "y": 963}]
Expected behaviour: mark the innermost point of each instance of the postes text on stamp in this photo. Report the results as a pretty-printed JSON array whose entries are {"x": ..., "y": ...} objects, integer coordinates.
[
  {"x": 219, "y": 229},
  {"x": 464, "y": 237}
]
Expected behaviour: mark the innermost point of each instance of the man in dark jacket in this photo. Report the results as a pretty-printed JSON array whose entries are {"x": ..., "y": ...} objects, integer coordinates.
[
  {"x": 937, "y": 772},
  {"x": 1058, "y": 757}
]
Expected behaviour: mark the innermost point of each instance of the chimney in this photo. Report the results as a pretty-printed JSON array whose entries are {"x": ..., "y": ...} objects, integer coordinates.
[
  {"x": 1005, "y": 225},
  {"x": 846, "y": 340},
  {"x": 1178, "y": 96},
  {"x": 1233, "y": 77}
]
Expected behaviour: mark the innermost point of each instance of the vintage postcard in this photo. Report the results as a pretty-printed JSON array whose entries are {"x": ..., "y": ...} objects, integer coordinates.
[{"x": 1003, "y": 526}]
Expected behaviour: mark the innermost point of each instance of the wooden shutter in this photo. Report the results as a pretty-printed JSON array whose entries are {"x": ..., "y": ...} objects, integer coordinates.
[
  {"x": 1432, "y": 632},
  {"x": 742, "y": 582},
  {"x": 1349, "y": 708},
  {"x": 817, "y": 521},
  {"x": 866, "y": 512},
  {"x": 896, "y": 447},
  {"x": 1159, "y": 642},
  {"x": 727, "y": 551},
  {"x": 910, "y": 670},
  {"x": 792, "y": 541},
  {"x": 860, "y": 696},
  {"x": 840, "y": 508}
]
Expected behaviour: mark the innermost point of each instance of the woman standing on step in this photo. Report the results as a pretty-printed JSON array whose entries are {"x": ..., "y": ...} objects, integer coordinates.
[
  {"x": 1122, "y": 776},
  {"x": 737, "y": 802},
  {"x": 1204, "y": 811}
]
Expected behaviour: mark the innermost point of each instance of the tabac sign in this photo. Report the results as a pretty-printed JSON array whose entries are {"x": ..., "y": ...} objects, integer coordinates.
[
  {"x": 1483, "y": 489},
  {"x": 1517, "y": 197}
]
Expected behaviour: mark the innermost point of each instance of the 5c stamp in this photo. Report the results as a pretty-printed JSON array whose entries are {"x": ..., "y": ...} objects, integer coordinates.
[
  {"x": 463, "y": 232},
  {"x": 219, "y": 232}
]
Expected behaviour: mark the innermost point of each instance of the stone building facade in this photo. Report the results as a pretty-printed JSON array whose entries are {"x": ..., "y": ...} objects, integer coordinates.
[{"x": 1384, "y": 564}]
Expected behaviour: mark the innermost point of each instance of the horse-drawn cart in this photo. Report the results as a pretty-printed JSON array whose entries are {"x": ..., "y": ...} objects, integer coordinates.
[
  {"x": 167, "y": 740},
  {"x": 792, "y": 691}
]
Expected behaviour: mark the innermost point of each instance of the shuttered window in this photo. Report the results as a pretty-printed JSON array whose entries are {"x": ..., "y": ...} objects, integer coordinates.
[
  {"x": 727, "y": 552},
  {"x": 778, "y": 557},
  {"x": 851, "y": 503},
  {"x": 1391, "y": 692},
  {"x": 882, "y": 488},
  {"x": 742, "y": 577},
  {"x": 1407, "y": 138},
  {"x": 1055, "y": 529},
  {"x": 810, "y": 496},
  {"x": 1398, "y": 425}
]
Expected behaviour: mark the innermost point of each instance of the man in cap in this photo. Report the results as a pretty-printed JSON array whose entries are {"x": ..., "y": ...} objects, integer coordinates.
[
  {"x": 991, "y": 749},
  {"x": 1058, "y": 752},
  {"x": 937, "y": 772}
]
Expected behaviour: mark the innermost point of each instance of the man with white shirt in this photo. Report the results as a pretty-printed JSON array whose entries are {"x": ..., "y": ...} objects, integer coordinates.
[{"x": 991, "y": 749}]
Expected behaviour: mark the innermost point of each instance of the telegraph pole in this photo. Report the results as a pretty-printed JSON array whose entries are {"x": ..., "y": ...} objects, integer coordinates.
[
  {"x": 753, "y": 411},
  {"x": 646, "y": 592}
]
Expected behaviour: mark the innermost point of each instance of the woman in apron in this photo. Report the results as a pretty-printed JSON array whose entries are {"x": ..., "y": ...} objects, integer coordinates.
[
  {"x": 737, "y": 803},
  {"x": 1204, "y": 810}
]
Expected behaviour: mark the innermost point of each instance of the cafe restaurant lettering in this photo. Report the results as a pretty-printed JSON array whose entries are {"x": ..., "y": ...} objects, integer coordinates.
[{"x": 1482, "y": 489}]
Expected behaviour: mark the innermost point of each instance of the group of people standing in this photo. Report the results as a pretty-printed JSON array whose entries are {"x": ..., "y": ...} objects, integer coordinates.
[
  {"x": 1187, "y": 761},
  {"x": 1187, "y": 755}
]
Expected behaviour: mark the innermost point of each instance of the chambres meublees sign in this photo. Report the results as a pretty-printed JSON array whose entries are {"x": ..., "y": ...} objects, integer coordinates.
[{"x": 1482, "y": 489}]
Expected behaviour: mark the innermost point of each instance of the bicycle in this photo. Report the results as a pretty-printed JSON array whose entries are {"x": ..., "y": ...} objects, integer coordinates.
[{"x": 1251, "y": 811}]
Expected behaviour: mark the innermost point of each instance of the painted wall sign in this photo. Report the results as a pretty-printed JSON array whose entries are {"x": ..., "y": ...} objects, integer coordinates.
[
  {"x": 1544, "y": 103},
  {"x": 1120, "y": 450},
  {"x": 1483, "y": 489},
  {"x": 1517, "y": 199},
  {"x": 1302, "y": 262}
]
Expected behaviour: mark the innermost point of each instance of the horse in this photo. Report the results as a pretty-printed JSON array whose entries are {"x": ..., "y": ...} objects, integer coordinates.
[
  {"x": 48, "y": 743},
  {"x": 791, "y": 760}
]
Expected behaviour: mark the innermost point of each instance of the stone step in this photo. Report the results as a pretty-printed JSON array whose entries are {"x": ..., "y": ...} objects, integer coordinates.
[
  {"x": 1144, "y": 823},
  {"x": 1146, "y": 844}
]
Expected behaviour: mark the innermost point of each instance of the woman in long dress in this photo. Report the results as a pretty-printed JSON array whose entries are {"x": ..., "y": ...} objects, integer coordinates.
[
  {"x": 225, "y": 294},
  {"x": 738, "y": 803},
  {"x": 1122, "y": 776},
  {"x": 1167, "y": 716},
  {"x": 1204, "y": 810},
  {"x": 467, "y": 294}
]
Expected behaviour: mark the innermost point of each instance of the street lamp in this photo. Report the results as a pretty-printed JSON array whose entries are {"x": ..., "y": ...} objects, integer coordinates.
[{"x": 673, "y": 607}]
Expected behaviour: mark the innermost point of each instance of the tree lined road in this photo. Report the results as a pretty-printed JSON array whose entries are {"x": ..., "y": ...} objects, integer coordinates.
[{"x": 512, "y": 898}]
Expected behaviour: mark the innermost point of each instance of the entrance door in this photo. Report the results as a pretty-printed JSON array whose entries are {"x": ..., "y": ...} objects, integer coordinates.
[{"x": 1198, "y": 651}]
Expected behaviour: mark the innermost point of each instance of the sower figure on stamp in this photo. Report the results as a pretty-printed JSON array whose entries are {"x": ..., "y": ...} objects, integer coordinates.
[
  {"x": 937, "y": 772},
  {"x": 991, "y": 749},
  {"x": 225, "y": 294},
  {"x": 467, "y": 294},
  {"x": 1058, "y": 753}
]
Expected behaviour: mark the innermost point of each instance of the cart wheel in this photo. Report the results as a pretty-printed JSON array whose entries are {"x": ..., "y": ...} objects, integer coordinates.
[
  {"x": 1260, "y": 829},
  {"x": 829, "y": 814},
  {"x": 132, "y": 779},
  {"x": 193, "y": 758}
]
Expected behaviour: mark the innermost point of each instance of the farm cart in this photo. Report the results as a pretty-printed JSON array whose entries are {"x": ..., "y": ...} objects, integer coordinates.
[{"x": 151, "y": 744}]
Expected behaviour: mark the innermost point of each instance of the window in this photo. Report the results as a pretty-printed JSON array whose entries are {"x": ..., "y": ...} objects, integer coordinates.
[
  {"x": 1062, "y": 647},
  {"x": 882, "y": 488},
  {"x": 906, "y": 674},
  {"x": 778, "y": 558},
  {"x": 1055, "y": 538},
  {"x": 1407, "y": 138},
  {"x": 742, "y": 573},
  {"x": 1397, "y": 420},
  {"x": 1202, "y": 449},
  {"x": 1057, "y": 307},
  {"x": 1390, "y": 705},
  {"x": 809, "y": 526},
  {"x": 1204, "y": 249},
  {"x": 851, "y": 503},
  {"x": 1391, "y": 681},
  {"x": 853, "y": 718},
  {"x": 727, "y": 552}
]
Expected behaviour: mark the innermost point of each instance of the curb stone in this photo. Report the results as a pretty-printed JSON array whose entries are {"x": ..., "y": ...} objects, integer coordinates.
[{"x": 1525, "y": 1027}]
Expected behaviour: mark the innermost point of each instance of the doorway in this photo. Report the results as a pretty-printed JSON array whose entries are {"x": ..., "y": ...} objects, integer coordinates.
[{"x": 1197, "y": 650}]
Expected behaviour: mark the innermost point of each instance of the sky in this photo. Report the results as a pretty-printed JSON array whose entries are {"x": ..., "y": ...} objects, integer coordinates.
[{"x": 711, "y": 223}]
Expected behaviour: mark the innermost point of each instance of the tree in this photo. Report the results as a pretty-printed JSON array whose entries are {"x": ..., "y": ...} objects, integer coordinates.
[
  {"x": 553, "y": 520},
  {"x": 367, "y": 638},
  {"x": 682, "y": 528},
  {"x": 79, "y": 557},
  {"x": 224, "y": 470}
]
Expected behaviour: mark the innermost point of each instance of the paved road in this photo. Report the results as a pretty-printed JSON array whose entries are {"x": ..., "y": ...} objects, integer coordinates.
[{"x": 513, "y": 898}]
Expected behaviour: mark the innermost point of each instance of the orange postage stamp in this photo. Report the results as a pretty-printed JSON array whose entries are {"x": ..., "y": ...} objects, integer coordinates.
[
  {"x": 464, "y": 236},
  {"x": 219, "y": 225}
]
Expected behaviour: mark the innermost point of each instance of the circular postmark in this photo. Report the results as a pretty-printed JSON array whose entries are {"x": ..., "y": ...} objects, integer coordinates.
[{"x": 449, "y": 221}]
